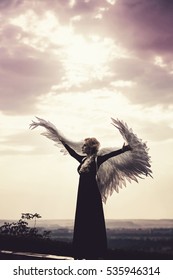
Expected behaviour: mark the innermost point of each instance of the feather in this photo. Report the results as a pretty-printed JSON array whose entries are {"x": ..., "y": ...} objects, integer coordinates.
[
  {"x": 127, "y": 166},
  {"x": 56, "y": 135}
]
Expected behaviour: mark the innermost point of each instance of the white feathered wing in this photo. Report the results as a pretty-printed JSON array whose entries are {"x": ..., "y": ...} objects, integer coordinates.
[
  {"x": 57, "y": 136},
  {"x": 114, "y": 172},
  {"x": 127, "y": 166}
]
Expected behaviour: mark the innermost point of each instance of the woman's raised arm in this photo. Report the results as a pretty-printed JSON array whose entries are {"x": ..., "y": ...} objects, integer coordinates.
[
  {"x": 105, "y": 157},
  {"x": 72, "y": 152}
]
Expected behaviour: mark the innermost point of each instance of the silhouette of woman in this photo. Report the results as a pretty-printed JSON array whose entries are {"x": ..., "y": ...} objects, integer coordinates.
[
  {"x": 99, "y": 173},
  {"x": 89, "y": 239}
]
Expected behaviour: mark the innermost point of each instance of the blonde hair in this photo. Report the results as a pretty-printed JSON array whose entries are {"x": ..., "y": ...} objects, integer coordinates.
[{"x": 93, "y": 144}]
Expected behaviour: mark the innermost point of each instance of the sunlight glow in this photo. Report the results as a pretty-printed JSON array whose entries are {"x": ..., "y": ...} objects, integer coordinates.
[
  {"x": 158, "y": 60},
  {"x": 72, "y": 3},
  {"x": 122, "y": 84},
  {"x": 83, "y": 58},
  {"x": 112, "y": 2},
  {"x": 87, "y": 59},
  {"x": 36, "y": 25}
]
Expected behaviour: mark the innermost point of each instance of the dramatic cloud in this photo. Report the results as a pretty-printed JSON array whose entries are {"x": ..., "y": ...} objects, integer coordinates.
[
  {"x": 145, "y": 26},
  {"x": 142, "y": 26},
  {"x": 144, "y": 29},
  {"x": 23, "y": 79},
  {"x": 26, "y": 71},
  {"x": 82, "y": 45},
  {"x": 152, "y": 83}
]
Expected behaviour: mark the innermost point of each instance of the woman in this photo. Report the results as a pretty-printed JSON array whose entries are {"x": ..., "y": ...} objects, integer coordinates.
[
  {"x": 101, "y": 171},
  {"x": 89, "y": 239}
]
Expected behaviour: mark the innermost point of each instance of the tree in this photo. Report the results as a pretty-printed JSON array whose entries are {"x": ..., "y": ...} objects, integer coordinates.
[{"x": 21, "y": 227}]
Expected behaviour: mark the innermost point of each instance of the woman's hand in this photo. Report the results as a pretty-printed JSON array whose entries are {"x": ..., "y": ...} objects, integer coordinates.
[
  {"x": 62, "y": 141},
  {"x": 126, "y": 148}
]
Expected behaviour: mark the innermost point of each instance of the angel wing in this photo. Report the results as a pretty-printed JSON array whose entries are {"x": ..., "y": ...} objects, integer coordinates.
[
  {"x": 131, "y": 165},
  {"x": 56, "y": 135}
]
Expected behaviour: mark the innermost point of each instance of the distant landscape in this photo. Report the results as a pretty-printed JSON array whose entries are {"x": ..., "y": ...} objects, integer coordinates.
[
  {"x": 110, "y": 223},
  {"x": 127, "y": 239}
]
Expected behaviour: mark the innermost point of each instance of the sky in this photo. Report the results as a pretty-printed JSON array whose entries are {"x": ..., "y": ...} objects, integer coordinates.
[{"x": 77, "y": 63}]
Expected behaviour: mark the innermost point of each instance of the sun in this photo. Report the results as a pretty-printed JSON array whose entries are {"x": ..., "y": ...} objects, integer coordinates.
[
  {"x": 87, "y": 59},
  {"x": 84, "y": 52}
]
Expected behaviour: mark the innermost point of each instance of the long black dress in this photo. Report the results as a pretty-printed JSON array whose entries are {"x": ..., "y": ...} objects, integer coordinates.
[{"x": 89, "y": 238}]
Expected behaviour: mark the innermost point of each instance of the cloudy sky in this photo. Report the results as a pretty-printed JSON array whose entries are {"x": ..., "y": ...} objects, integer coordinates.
[{"x": 78, "y": 63}]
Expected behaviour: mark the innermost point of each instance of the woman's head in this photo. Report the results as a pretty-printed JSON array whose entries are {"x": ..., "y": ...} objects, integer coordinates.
[{"x": 90, "y": 146}]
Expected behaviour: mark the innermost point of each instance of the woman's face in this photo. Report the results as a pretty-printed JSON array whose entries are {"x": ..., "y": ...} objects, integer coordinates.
[{"x": 86, "y": 148}]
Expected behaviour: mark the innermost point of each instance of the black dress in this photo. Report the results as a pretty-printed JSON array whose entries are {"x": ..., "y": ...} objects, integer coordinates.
[{"x": 89, "y": 238}]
